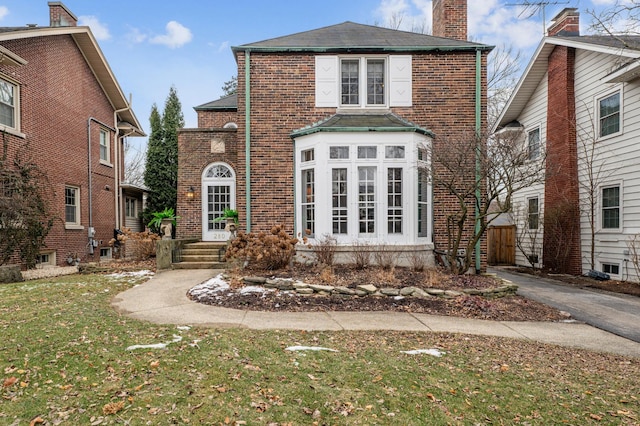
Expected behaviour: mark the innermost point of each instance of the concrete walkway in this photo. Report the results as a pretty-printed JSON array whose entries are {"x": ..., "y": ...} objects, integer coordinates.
[
  {"x": 612, "y": 312},
  {"x": 163, "y": 300}
]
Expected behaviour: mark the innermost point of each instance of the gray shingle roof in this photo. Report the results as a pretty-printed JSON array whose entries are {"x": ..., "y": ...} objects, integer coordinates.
[
  {"x": 225, "y": 103},
  {"x": 619, "y": 42},
  {"x": 350, "y": 36},
  {"x": 388, "y": 122}
]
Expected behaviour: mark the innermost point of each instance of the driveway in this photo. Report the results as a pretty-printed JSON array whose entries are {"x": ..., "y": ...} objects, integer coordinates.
[{"x": 612, "y": 312}]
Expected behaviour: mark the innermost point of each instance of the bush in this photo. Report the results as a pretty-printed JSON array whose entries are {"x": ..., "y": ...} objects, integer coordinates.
[
  {"x": 325, "y": 250},
  {"x": 385, "y": 257},
  {"x": 137, "y": 245},
  {"x": 273, "y": 250},
  {"x": 360, "y": 256}
]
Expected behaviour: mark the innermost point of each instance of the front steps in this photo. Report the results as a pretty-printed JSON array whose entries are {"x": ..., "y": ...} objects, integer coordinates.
[{"x": 202, "y": 255}]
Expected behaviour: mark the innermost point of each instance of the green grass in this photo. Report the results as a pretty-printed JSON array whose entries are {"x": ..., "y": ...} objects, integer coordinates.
[{"x": 66, "y": 349}]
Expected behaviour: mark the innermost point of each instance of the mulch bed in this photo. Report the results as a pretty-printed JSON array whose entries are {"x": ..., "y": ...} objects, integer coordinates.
[{"x": 511, "y": 308}]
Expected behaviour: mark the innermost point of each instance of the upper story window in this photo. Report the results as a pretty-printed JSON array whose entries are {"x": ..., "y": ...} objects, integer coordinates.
[
  {"x": 533, "y": 143},
  {"x": 363, "y": 82},
  {"x": 609, "y": 118},
  {"x": 105, "y": 147},
  {"x": 362, "y": 78},
  {"x": 8, "y": 104}
]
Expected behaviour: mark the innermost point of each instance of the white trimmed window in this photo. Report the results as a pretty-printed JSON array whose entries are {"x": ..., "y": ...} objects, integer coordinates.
[
  {"x": 533, "y": 143},
  {"x": 72, "y": 206},
  {"x": 609, "y": 108},
  {"x": 46, "y": 259},
  {"x": 611, "y": 204},
  {"x": 130, "y": 207},
  {"x": 363, "y": 81},
  {"x": 9, "y": 113},
  {"x": 105, "y": 147},
  {"x": 533, "y": 216},
  {"x": 363, "y": 187},
  {"x": 611, "y": 268}
]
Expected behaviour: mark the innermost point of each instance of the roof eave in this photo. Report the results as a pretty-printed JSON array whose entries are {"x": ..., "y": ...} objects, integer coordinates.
[
  {"x": 356, "y": 49},
  {"x": 538, "y": 65},
  {"x": 309, "y": 131},
  {"x": 92, "y": 53},
  {"x": 9, "y": 58}
]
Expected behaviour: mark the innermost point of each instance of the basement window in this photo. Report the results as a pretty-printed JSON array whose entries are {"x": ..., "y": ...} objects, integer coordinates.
[{"x": 611, "y": 268}]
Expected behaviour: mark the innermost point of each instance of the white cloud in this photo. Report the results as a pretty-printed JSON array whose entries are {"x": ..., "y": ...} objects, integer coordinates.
[
  {"x": 136, "y": 36},
  {"x": 603, "y": 2},
  {"x": 177, "y": 36},
  {"x": 224, "y": 46},
  {"x": 99, "y": 30},
  {"x": 4, "y": 11}
]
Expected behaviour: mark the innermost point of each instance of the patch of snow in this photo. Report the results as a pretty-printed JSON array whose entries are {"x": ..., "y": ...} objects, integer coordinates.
[
  {"x": 184, "y": 327},
  {"x": 252, "y": 289},
  {"x": 213, "y": 285},
  {"x": 176, "y": 339},
  {"x": 308, "y": 348},
  {"x": 434, "y": 352},
  {"x": 142, "y": 273}
]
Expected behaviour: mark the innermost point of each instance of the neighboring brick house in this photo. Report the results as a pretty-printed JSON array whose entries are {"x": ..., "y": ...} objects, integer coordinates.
[
  {"x": 61, "y": 103},
  {"x": 579, "y": 98},
  {"x": 329, "y": 132}
]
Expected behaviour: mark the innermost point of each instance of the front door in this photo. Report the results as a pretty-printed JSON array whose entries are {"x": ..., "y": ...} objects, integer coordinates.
[{"x": 218, "y": 194}]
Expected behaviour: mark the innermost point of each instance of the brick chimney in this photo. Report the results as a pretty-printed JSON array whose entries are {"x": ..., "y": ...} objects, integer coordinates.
[
  {"x": 566, "y": 23},
  {"x": 450, "y": 19},
  {"x": 60, "y": 16}
]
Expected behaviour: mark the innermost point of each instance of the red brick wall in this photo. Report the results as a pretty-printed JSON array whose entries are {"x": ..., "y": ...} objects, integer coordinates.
[
  {"x": 211, "y": 119},
  {"x": 58, "y": 94},
  {"x": 60, "y": 16},
  {"x": 194, "y": 154},
  {"x": 450, "y": 19},
  {"x": 443, "y": 101},
  {"x": 561, "y": 189}
]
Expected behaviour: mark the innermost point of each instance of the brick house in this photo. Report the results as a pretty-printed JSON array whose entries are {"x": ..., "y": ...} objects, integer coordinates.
[
  {"x": 62, "y": 104},
  {"x": 578, "y": 98},
  {"x": 329, "y": 132}
]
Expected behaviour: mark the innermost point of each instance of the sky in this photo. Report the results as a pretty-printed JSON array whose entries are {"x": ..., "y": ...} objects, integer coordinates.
[{"x": 152, "y": 45}]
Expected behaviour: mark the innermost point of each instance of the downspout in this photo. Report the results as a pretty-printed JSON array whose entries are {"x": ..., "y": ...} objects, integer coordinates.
[
  {"x": 478, "y": 158},
  {"x": 117, "y": 160},
  {"x": 90, "y": 173},
  {"x": 247, "y": 134}
]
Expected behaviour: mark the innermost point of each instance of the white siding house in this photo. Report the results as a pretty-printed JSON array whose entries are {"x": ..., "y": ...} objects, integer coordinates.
[{"x": 605, "y": 119}]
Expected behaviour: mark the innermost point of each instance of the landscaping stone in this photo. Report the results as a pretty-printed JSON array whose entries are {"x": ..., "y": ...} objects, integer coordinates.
[
  {"x": 408, "y": 291},
  {"x": 321, "y": 288},
  {"x": 302, "y": 288},
  {"x": 10, "y": 274},
  {"x": 369, "y": 288}
]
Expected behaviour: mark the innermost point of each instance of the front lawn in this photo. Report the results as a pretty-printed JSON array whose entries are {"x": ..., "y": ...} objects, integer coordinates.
[{"x": 64, "y": 360}]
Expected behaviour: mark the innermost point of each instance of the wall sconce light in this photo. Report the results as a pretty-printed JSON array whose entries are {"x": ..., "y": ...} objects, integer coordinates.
[{"x": 190, "y": 193}]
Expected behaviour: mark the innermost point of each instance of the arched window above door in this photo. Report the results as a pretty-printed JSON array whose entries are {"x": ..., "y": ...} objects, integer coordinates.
[{"x": 219, "y": 171}]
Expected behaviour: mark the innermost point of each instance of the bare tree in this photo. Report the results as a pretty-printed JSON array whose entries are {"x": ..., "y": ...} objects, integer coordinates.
[
  {"x": 592, "y": 174},
  {"x": 501, "y": 168},
  {"x": 618, "y": 21},
  {"x": 503, "y": 72},
  {"x": 529, "y": 234},
  {"x": 134, "y": 163}
]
